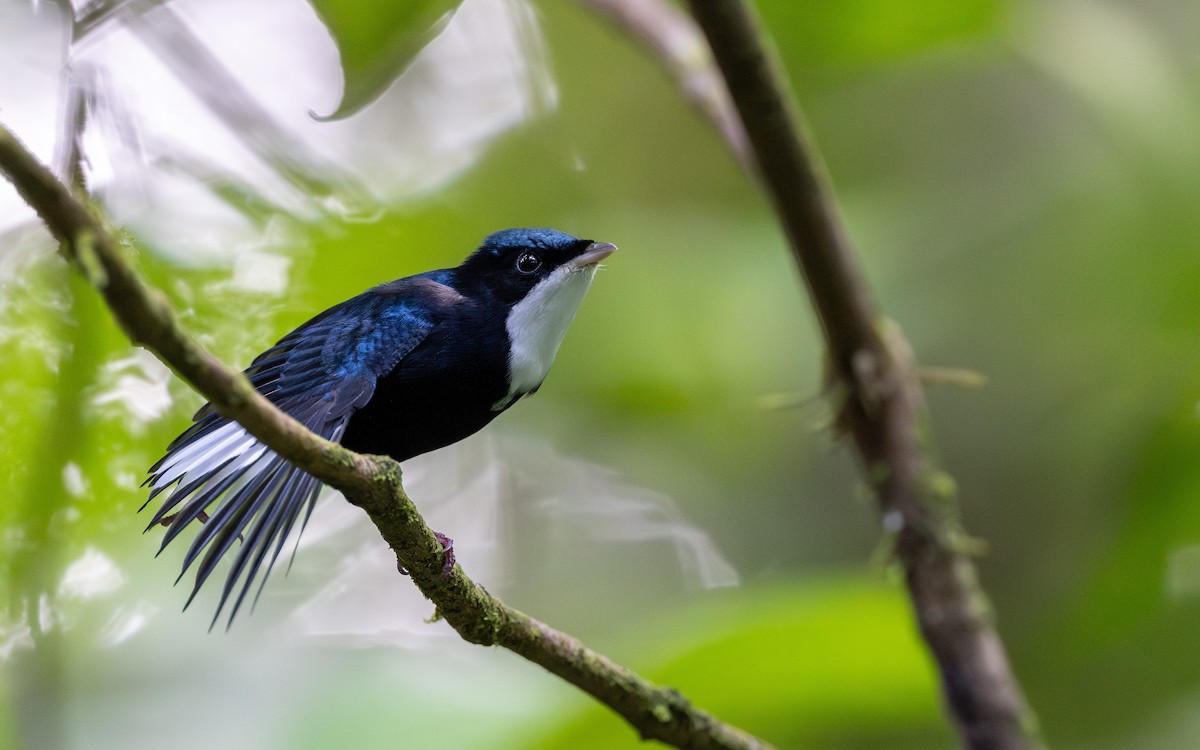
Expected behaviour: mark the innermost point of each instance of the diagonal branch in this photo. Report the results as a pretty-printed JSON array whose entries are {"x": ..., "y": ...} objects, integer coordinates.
[
  {"x": 371, "y": 482},
  {"x": 874, "y": 370}
]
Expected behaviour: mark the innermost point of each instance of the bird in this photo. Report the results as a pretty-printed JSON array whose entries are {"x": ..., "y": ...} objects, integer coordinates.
[{"x": 406, "y": 367}]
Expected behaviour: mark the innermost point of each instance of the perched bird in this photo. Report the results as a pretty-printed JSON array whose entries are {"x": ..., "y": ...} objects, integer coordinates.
[{"x": 402, "y": 369}]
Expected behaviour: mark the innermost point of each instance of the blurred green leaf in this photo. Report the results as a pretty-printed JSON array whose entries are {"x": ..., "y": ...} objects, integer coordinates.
[
  {"x": 377, "y": 41},
  {"x": 871, "y": 32},
  {"x": 836, "y": 663},
  {"x": 1163, "y": 522},
  {"x": 1143, "y": 598}
]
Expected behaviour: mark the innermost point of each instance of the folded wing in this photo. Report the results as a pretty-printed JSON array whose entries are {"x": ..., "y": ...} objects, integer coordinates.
[{"x": 320, "y": 374}]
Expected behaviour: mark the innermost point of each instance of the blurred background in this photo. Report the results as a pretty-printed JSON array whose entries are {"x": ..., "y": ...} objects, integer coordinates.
[{"x": 1021, "y": 180}]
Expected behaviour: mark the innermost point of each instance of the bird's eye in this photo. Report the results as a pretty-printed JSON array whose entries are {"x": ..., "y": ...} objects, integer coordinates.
[{"x": 529, "y": 262}]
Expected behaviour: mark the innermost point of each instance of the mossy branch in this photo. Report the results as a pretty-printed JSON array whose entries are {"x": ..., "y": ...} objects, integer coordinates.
[{"x": 371, "y": 482}]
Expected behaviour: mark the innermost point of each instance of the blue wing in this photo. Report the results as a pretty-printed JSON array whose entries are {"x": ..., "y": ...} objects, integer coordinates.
[{"x": 320, "y": 374}]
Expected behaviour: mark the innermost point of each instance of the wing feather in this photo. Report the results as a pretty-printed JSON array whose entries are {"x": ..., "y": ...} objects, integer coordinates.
[{"x": 321, "y": 373}]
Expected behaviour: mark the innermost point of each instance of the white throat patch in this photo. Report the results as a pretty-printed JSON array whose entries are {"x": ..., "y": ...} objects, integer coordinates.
[{"x": 536, "y": 326}]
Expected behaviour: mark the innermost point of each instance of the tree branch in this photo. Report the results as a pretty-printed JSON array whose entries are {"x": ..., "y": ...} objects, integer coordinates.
[
  {"x": 371, "y": 482},
  {"x": 874, "y": 371}
]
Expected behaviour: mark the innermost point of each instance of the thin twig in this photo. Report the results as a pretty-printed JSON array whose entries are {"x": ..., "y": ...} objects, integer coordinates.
[
  {"x": 873, "y": 367},
  {"x": 372, "y": 483}
]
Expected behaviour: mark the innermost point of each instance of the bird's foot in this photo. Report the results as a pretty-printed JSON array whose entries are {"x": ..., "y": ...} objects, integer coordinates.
[
  {"x": 448, "y": 558},
  {"x": 447, "y": 553}
]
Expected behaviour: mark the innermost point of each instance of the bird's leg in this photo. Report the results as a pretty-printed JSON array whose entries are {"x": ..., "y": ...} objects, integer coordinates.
[
  {"x": 447, "y": 552},
  {"x": 448, "y": 558}
]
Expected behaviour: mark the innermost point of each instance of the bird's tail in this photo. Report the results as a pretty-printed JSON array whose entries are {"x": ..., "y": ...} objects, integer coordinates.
[{"x": 258, "y": 498}]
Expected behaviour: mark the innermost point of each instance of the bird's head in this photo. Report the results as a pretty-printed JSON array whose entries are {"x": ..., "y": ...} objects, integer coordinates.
[
  {"x": 513, "y": 262},
  {"x": 540, "y": 276}
]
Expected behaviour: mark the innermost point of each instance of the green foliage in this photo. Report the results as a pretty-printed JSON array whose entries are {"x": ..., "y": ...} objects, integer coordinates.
[
  {"x": 823, "y": 663},
  {"x": 377, "y": 40},
  {"x": 819, "y": 39},
  {"x": 1021, "y": 215}
]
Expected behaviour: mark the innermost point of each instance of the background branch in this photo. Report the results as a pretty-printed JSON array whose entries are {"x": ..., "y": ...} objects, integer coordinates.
[
  {"x": 372, "y": 483},
  {"x": 874, "y": 374}
]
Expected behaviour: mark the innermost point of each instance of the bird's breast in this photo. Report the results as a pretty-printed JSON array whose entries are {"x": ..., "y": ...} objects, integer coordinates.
[{"x": 439, "y": 394}]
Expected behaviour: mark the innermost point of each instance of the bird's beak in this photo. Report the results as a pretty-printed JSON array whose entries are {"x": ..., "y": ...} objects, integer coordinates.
[{"x": 595, "y": 252}]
